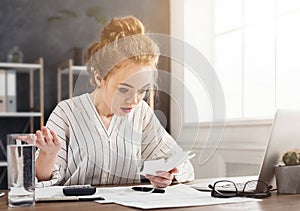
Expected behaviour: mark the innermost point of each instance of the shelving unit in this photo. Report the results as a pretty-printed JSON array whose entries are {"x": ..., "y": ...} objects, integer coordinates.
[
  {"x": 31, "y": 69},
  {"x": 69, "y": 69}
]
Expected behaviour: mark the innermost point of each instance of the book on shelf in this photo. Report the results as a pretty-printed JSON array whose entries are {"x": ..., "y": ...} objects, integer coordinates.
[
  {"x": 11, "y": 91},
  {"x": 8, "y": 91},
  {"x": 2, "y": 91}
]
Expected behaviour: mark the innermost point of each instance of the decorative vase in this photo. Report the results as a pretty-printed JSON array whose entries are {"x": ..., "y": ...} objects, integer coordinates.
[{"x": 288, "y": 179}]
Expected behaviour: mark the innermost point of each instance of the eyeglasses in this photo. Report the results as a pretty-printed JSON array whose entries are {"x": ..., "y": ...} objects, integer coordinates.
[{"x": 227, "y": 189}]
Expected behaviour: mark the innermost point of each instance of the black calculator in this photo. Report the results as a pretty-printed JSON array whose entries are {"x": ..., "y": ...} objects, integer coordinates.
[{"x": 79, "y": 190}]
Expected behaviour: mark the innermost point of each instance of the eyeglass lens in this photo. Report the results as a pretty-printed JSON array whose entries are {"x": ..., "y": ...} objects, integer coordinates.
[
  {"x": 225, "y": 189},
  {"x": 254, "y": 188},
  {"x": 257, "y": 189}
]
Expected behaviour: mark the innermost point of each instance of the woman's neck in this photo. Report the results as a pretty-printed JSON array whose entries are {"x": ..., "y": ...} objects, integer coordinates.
[{"x": 99, "y": 104}]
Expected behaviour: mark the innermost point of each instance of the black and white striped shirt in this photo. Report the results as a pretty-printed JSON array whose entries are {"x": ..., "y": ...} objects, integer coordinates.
[{"x": 92, "y": 154}]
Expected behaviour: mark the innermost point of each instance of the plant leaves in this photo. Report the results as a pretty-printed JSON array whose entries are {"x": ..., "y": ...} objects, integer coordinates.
[
  {"x": 95, "y": 12},
  {"x": 54, "y": 18},
  {"x": 69, "y": 13}
]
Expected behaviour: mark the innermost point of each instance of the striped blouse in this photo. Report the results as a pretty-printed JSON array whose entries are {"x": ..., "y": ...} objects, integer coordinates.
[{"x": 92, "y": 154}]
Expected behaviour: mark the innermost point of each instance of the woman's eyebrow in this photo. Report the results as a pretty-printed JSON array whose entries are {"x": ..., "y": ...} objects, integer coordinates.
[
  {"x": 124, "y": 84},
  {"x": 128, "y": 85}
]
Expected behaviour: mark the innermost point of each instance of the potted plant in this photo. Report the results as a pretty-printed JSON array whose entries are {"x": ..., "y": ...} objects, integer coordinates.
[{"x": 288, "y": 173}]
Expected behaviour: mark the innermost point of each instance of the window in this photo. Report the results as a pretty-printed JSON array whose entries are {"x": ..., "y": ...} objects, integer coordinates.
[{"x": 254, "y": 48}]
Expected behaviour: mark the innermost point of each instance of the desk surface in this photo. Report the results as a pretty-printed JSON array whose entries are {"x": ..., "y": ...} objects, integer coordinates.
[{"x": 275, "y": 202}]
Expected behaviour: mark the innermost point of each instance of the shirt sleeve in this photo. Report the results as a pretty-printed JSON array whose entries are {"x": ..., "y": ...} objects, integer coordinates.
[
  {"x": 58, "y": 122},
  {"x": 157, "y": 143}
]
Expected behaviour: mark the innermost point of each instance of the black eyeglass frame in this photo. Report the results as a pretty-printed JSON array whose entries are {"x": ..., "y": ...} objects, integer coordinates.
[{"x": 222, "y": 194}]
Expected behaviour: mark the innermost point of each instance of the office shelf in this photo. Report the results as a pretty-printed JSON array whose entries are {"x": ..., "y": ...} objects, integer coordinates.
[
  {"x": 20, "y": 114},
  {"x": 20, "y": 66},
  {"x": 75, "y": 69},
  {"x": 31, "y": 69}
]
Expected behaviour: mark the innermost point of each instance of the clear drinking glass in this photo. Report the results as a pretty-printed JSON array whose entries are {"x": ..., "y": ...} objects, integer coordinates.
[{"x": 21, "y": 169}]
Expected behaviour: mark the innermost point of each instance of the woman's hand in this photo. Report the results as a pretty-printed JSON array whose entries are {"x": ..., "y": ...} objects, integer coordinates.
[
  {"x": 47, "y": 141},
  {"x": 49, "y": 145},
  {"x": 162, "y": 179}
]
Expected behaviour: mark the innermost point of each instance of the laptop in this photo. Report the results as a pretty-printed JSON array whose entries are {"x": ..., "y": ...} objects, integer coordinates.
[{"x": 284, "y": 135}]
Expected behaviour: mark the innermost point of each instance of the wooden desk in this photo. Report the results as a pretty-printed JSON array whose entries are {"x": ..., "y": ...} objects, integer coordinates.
[{"x": 275, "y": 202}]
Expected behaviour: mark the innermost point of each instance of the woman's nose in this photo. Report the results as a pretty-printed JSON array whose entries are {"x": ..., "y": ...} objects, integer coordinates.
[{"x": 133, "y": 100}]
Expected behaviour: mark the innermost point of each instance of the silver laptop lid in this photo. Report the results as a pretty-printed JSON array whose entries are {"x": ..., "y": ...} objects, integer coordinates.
[{"x": 284, "y": 135}]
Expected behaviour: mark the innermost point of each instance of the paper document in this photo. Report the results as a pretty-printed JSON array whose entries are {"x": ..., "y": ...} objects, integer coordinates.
[
  {"x": 152, "y": 166},
  {"x": 175, "y": 196}
]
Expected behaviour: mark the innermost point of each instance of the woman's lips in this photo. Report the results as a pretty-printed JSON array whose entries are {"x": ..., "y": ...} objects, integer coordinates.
[{"x": 126, "y": 110}]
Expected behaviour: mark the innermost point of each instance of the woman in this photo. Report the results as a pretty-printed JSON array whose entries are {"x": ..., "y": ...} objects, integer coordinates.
[{"x": 104, "y": 137}]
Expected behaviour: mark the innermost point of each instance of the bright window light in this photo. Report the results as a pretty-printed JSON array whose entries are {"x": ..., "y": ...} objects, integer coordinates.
[{"x": 254, "y": 49}]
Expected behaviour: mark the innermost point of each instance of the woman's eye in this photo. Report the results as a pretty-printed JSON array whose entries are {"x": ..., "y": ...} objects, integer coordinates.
[{"x": 123, "y": 90}]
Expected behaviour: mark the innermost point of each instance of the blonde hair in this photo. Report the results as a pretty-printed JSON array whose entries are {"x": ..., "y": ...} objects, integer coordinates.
[{"x": 122, "y": 42}]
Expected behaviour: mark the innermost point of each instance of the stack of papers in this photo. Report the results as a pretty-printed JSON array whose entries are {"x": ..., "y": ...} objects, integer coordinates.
[{"x": 175, "y": 196}]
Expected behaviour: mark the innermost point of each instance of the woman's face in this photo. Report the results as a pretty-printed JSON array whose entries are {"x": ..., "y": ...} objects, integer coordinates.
[{"x": 125, "y": 88}]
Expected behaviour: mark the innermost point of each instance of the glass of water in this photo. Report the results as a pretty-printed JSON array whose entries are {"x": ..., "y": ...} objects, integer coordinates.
[{"x": 21, "y": 169}]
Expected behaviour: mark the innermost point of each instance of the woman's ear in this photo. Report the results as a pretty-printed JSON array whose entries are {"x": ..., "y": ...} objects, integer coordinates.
[{"x": 98, "y": 79}]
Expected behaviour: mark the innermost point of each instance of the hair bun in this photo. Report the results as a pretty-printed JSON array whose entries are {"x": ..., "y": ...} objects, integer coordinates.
[
  {"x": 123, "y": 40},
  {"x": 119, "y": 28}
]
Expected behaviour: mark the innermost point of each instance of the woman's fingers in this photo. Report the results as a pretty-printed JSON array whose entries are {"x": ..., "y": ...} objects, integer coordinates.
[
  {"x": 159, "y": 185},
  {"x": 27, "y": 138},
  {"x": 158, "y": 182},
  {"x": 47, "y": 136},
  {"x": 40, "y": 142},
  {"x": 162, "y": 178},
  {"x": 47, "y": 141},
  {"x": 55, "y": 138},
  {"x": 39, "y": 138},
  {"x": 165, "y": 175},
  {"x": 174, "y": 171}
]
